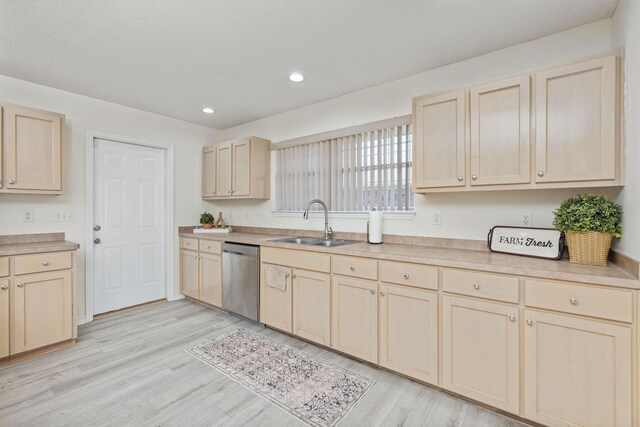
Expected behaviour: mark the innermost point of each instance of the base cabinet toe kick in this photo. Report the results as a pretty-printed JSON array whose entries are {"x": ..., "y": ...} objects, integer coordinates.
[{"x": 554, "y": 352}]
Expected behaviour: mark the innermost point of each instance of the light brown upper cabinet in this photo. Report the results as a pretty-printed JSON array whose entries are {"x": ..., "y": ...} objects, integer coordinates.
[
  {"x": 33, "y": 151},
  {"x": 238, "y": 169},
  {"x": 576, "y": 122},
  {"x": 208, "y": 172},
  {"x": 563, "y": 133},
  {"x": 500, "y": 149},
  {"x": 439, "y": 140}
]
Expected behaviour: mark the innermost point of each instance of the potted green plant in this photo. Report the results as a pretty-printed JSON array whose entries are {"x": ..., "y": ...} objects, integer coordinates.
[
  {"x": 589, "y": 222},
  {"x": 207, "y": 221}
]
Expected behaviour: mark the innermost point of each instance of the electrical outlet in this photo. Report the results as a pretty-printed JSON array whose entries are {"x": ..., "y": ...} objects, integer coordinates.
[
  {"x": 263, "y": 214},
  {"x": 437, "y": 218},
  {"x": 525, "y": 219},
  {"x": 28, "y": 216}
]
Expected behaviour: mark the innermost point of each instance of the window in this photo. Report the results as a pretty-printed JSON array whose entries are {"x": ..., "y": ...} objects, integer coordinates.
[{"x": 355, "y": 172}]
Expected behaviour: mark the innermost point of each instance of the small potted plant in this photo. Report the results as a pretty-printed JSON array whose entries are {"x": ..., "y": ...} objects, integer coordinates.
[
  {"x": 207, "y": 221},
  {"x": 589, "y": 222}
]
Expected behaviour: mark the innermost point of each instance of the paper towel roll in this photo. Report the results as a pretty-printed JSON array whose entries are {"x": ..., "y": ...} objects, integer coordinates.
[{"x": 375, "y": 227}]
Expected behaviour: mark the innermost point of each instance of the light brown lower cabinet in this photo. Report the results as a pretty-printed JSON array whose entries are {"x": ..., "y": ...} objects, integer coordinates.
[
  {"x": 312, "y": 306},
  {"x": 409, "y": 331},
  {"x": 42, "y": 310},
  {"x": 481, "y": 351},
  {"x": 577, "y": 372},
  {"x": 354, "y": 317},
  {"x": 201, "y": 276},
  {"x": 210, "y": 279},
  {"x": 4, "y": 318},
  {"x": 189, "y": 273},
  {"x": 276, "y": 305}
]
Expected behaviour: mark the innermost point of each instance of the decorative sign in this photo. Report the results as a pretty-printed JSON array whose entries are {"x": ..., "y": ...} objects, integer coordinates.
[{"x": 527, "y": 241}]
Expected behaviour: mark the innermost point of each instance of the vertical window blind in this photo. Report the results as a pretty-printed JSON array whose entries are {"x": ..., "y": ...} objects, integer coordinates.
[{"x": 355, "y": 172}]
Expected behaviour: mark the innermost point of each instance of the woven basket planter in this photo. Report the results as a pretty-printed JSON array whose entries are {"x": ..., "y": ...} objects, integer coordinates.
[{"x": 588, "y": 248}]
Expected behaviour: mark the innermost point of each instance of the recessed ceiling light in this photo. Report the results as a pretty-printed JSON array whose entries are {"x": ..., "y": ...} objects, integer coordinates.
[
  {"x": 208, "y": 110},
  {"x": 296, "y": 77}
]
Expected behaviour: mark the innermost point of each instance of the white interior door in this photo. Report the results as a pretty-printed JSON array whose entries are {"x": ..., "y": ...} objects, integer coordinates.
[{"x": 129, "y": 205}]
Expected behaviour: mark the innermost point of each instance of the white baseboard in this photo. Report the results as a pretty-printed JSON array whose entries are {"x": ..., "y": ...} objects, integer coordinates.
[
  {"x": 81, "y": 320},
  {"x": 176, "y": 297}
]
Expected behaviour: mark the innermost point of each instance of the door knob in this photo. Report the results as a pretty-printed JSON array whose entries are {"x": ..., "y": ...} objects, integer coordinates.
[
  {"x": 97, "y": 241},
  {"x": 97, "y": 228}
]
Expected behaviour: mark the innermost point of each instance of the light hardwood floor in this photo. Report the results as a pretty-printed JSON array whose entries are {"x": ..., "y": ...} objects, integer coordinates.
[{"x": 130, "y": 369}]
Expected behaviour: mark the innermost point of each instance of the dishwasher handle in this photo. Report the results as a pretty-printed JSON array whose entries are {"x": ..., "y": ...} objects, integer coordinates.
[{"x": 240, "y": 249}]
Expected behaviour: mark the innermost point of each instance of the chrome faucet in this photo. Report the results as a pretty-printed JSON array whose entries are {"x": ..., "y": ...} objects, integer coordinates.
[{"x": 328, "y": 231}]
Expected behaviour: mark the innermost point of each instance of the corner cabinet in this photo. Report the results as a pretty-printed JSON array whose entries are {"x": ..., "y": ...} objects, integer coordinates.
[
  {"x": 238, "y": 169},
  {"x": 32, "y": 159},
  {"x": 489, "y": 137}
]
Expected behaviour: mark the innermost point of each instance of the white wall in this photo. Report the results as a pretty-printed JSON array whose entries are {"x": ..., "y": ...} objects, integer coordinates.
[
  {"x": 626, "y": 33},
  {"x": 467, "y": 216},
  {"x": 84, "y": 113}
]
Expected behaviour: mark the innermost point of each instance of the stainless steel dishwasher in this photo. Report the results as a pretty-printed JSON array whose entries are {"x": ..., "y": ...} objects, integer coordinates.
[{"x": 241, "y": 279}]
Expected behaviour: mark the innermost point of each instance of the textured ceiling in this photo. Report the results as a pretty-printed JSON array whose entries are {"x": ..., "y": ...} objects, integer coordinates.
[{"x": 175, "y": 57}]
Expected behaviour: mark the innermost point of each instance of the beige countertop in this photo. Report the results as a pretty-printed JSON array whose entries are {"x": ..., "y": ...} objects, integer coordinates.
[
  {"x": 35, "y": 243},
  {"x": 610, "y": 275}
]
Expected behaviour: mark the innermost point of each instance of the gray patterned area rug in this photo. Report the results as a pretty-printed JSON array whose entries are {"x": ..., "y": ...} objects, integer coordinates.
[{"x": 316, "y": 392}]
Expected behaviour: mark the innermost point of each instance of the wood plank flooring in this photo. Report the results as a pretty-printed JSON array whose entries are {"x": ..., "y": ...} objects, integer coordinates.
[{"x": 130, "y": 369}]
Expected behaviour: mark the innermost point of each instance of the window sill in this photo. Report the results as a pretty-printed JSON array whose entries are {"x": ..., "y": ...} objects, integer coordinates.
[{"x": 388, "y": 215}]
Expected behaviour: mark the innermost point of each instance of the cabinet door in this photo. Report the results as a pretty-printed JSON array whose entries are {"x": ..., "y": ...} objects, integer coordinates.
[
  {"x": 189, "y": 273},
  {"x": 480, "y": 351},
  {"x": 241, "y": 168},
  {"x": 32, "y": 149},
  {"x": 576, "y": 118},
  {"x": 276, "y": 305},
  {"x": 439, "y": 141},
  {"x": 354, "y": 317},
  {"x": 409, "y": 332},
  {"x": 209, "y": 172},
  {"x": 312, "y": 306},
  {"x": 210, "y": 289},
  {"x": 576, "y": 372},
  {"x": 223, "y": 170},
  {"x": 500, "y": 150},
  {"x": 42, "y": 310},
  {"x": 4, "y": 318}
]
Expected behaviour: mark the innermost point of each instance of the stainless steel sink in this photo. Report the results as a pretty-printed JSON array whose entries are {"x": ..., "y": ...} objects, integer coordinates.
[{"x": 311, "y": 241}]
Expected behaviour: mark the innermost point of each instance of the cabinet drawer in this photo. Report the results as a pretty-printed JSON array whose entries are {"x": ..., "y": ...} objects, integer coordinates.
[
  {"x": 210, "y": 246},
  {"x": 423, "y": 276},
  {"x": 584, "y": 300},
  {"x": 356, "y": 267},
  {"x": 4, "y": 267},
  {"x": 482, "y": 285},
  {"x": 189, "y": 243},
  {"x": 306, "y": 260},
  {"x": 36, "y": 263}
]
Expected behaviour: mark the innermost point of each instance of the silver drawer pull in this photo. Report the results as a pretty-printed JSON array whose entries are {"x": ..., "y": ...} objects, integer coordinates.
[
  {"x": 460, "y": 178},
  {"x": 12, "y": 181},
  {"x": 381, "y": 293},
  {"x": 540, "y": 173},
  {"x": 372, "y": 291},
  {"x": 512, "y": 317},
  {"x": 574, "y": 301},
  {"x": 45, "y": 263},
  {"x": 188, "y": 243},
  {"x": 406, "y": 276},
  {"x": 353, "y": 268},
  {"x": 529, "y": 322},
  {"x": 20, "y": 285},
  {"x": 474, "y": 177},
  {"x": 476, "y": 286},
  {"x": 3, "y": 287}
]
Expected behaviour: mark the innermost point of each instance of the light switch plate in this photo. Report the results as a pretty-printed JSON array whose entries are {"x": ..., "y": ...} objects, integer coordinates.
[
  {"x": 28, "y": 215},
  {"x": 437, "y": 218}
]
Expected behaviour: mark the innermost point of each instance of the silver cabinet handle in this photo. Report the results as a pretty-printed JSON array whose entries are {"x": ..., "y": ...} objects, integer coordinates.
[
  {"x": 540, "y": 173},
  {"x": 574, "y": 301},
  {"x": 352, "y": 268},
  {"x": 460, "y": 178},
  {"x": 476, "y": 286},
  {"x": 12, "y": 181},
  {"x": 188, "y": 244},
  {"x": 406, "y": 276},
  {"x": 381, "y": 293},
  {"x": 512, "y": 317},
  {"x": 45, "y": 263},
  {"x": 3, "y": 287},
  {"x": 474, "y": 177},
  {"x": 529, "y": 322},
  {"x": 20, "y": 285},
  {"x": 372, "y": 291},
  {"x": 293, "y": 276}
]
